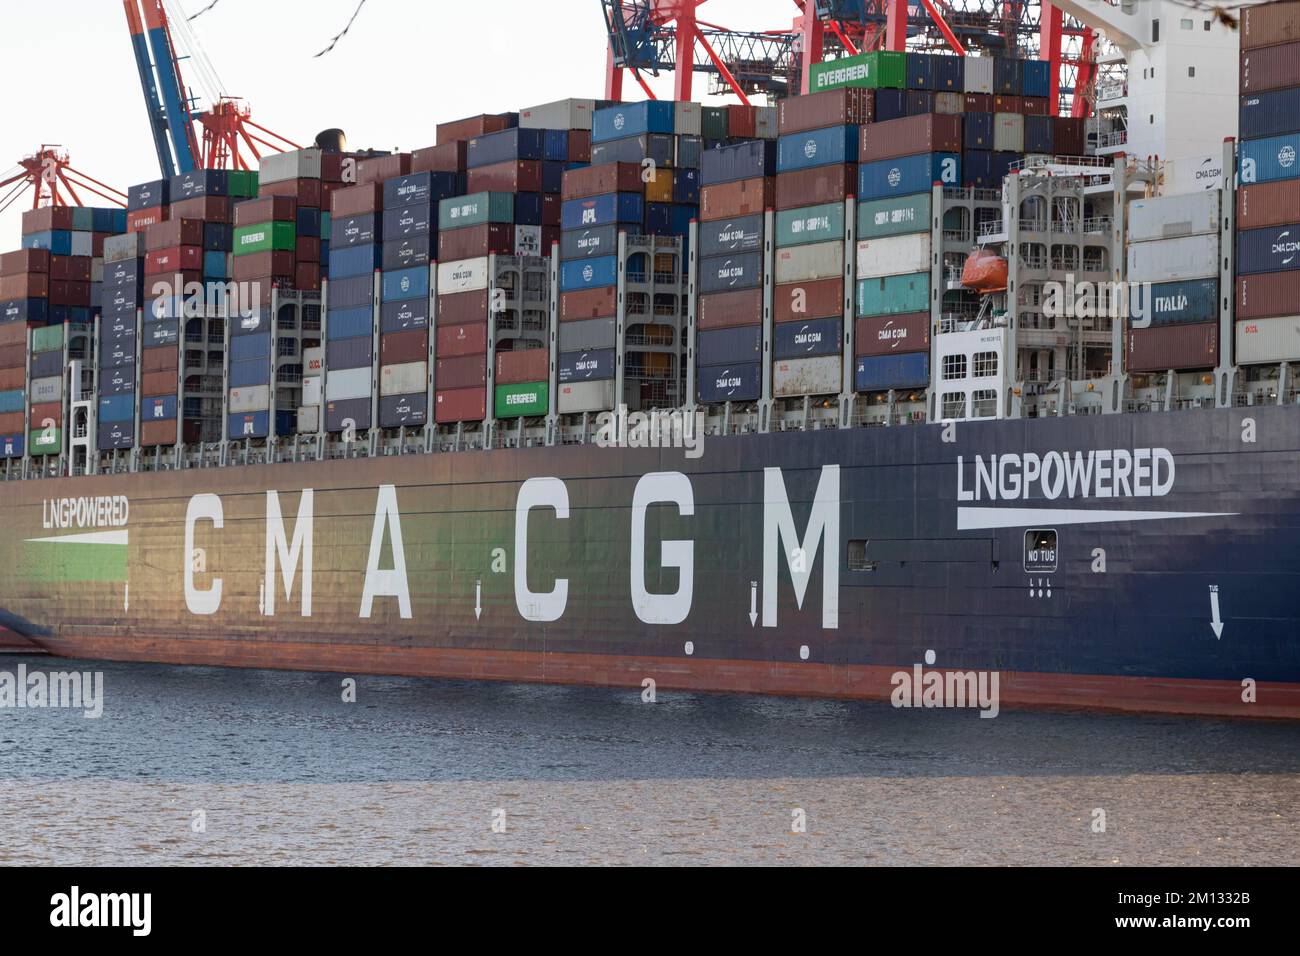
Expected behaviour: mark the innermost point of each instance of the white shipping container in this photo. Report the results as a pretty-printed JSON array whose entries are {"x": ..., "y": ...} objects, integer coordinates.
[
  {"x": 894, "y": 255},
  {"x": 819, "y": 260},
  {"x": 1169, "y": 217},
  {"x": 83, "y": 243},
  {"x": 464, "y": 275},
  {"x": 767, "y": 122},
  {"x": 1167, "y": 260},
  {"x": 688, "y": 119},
  {"x": 562, "y": 114},
  {"x": 1268, "y": 341},
  {"x": 978, "y": 74},
  {"x": 313, "y": 390},
  {"x": 586, "y": 397},
  {"x": 1194, "y": 173},
  {"x": 528, "y": 241},
  {"x": 949, "y": 103},
  {"x": 297, "y": 164},
  {"x": 256, "y": 398},
  {"x": 46, "y": 389},
  {"x": 810, "y": 376},
  {"x": 313, "y": 361},
  {"x": 309, "y": 420},
  {"x": 97, "y": 270},
  {"x": 346, "y": 385},
  {"x": 409, "y": 378},
  {"x": 1009, "y": 132}
]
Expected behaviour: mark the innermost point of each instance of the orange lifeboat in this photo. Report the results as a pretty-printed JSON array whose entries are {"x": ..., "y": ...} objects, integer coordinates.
[{"x": 984, "y": 272}]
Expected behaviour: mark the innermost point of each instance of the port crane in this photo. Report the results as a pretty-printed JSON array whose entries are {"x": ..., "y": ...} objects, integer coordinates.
[
  {"x": 53, "y": 181},
  {"x": 230, "y": 138}
]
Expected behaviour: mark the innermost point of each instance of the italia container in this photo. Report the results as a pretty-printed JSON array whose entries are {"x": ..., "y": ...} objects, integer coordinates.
[
  {"x": 1170, "y": 217},
  {"x": 908, "y": 175},
  {"x": 894, "y": 294},
  {"x": 866, "y": 70},
  {"x": 1174, "y": 303},
  {"x": 893, "y": 255},
  {"x": 1268, "y": 160},
  {"x": 880, "y": 373},
  {"x": 807, "y": 263},
  {"x": 1274, "y": 249},
  {"x": 1190, "y": 257},
  {"x": 824, "y": 147},
  {"x": 1173, "y": 347},
  {"x": 1268, "y": 294},
  {"x": 880, "y": 218},
  {"x": 635, "y": 119},
  {"x": 731, "y": 236},
  {"x": 730, "y": 383},
  {"x": 812, "y": 224},
  {"x": 814, "y": 338},
  {"x": 807, "y": 376},
  {"x": 1268, "y": 341}
]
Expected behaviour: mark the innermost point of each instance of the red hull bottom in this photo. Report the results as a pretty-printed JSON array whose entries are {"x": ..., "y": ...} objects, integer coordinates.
[{"x": 857, "y": 682}]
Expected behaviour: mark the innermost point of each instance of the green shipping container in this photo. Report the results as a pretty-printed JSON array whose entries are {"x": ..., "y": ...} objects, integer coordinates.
[
  {"x": 713, "y": 122},
  {"x": 41, "y": 441},
  {"x": 242, "y": 184},
  {"x": 894, "y": 217},
  {"x": 266, "y": 237},
  {"x": 476, "y": 210},
  {"x": 516, "y": 401},
  {"x": 894, "y": 295},
  {"x": 882, "y": 69},
  {"x": 49, "y": 338},
  {"x": 797, "y": 227}
]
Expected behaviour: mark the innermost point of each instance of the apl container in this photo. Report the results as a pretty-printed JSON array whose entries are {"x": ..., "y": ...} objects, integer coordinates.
[{"x": 604, "y": 210}]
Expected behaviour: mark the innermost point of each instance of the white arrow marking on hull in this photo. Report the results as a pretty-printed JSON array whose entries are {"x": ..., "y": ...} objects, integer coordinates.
[
  {"x": 1216, "y": 622},
  {"x": 478, "y": 600},
  {"x": 753, "y": 603}
]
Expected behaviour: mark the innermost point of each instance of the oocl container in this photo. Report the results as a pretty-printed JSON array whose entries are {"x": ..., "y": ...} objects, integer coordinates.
[
  {"x": 893, "y": 255},
  {"x": 807, "y": 263},
  {"x": 807, "y": 376},
  {"x": 1268, "y": 341}
]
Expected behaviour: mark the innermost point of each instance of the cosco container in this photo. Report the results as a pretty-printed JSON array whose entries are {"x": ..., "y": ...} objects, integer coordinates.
[
  {"x": 879, "y": 218},
  {"x": 824, "y": 147},
  {"x": 1273, "y": 249},
  {"x": 822, "y": 260},
  {"x": 730, "y": 236},
  {"x": 1173, "y": 303},
  {"x": 880, "y": 373},
  {"x": 730, "y": 383},
  {"x": 908, "y": 175},
  {"x": 1268, "y": 160},
  {"x": 1190, "y": 257},
  {"x": 807, "y": 376},
  {"x": 795, "y": 227},
  {"x": 725, "y": 346},
  {"x": 730, "y": 273},
  {"x": 1169, "y": 217},
  {"x": 895, "y": 294},
  {"x": 809, "y": 339}
]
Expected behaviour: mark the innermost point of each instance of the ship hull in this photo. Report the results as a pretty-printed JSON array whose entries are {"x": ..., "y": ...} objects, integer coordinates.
[{"x": 835, "y": 564}]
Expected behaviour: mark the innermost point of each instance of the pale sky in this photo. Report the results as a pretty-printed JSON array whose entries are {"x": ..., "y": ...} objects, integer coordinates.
[{"x": 69, "y": 74}]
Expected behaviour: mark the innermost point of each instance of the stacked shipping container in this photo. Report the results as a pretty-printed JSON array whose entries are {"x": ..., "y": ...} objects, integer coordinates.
[{"x": 121, "y": 301}]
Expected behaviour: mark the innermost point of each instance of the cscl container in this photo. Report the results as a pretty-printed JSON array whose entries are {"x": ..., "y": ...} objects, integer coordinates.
[
  {"x": 1268, "y": 341},
  {"x": 346, "y": 384},
  {"x": 1267, "y": 294},
  {"x": 928, "y": 133},
  {"x": 813, "y": 338},
  {"x": 634, "y": 119},
  {"x": 1173, "y": 347},
  {"x": 731, "y": 383},
  {"x": 586, "y": 334},
  {"x": 907, "y": 175},
  {"x": 894, "y": 294},
  {"x": 1268, "y": 160},
  {"x": 468, "y": 275},
  {"x": 807, "y": 376},
  {"x": 405, "y": 379},
  {"x": 834, "y": 145},
  {"x": 822, "y": 260},
  {"x": 1268, "y": 114},
  {"x": 727, "y": 164},
  {"x": 587, "y": 366},
  {"x": 1174, "y": 303},
  {"x": 848, "y": 106},
  {"x": 730, "y": 273},
  {"x": 406, "y": 222},
  {"x": 1272, "y": 249},
  {"x": 114, "y": 436},
  {"x": 795, "y": 227},
  {"x": 397, "y": 411},
  {"x": 352, "y": 413},
  {"x": 1189, "y": 257},
  {"x": 730, "y": 236},
  {"x": 893, "y": 255},
  {"x": 878, "y": 218},
  {"x": 724, "y": 346},
  {"x": 1168, "y": 217},
  {"x": 892, "y": 334}
]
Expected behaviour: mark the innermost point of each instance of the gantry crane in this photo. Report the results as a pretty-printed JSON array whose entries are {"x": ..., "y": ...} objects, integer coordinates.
[{"x": 53, "y": 182}]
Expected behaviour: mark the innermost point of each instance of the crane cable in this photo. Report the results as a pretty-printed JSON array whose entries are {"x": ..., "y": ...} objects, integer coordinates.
[{"x": 335, "y": 42}]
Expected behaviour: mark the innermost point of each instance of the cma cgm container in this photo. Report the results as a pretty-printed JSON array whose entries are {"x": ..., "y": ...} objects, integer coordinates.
[{"x": 1274, "y": 249}]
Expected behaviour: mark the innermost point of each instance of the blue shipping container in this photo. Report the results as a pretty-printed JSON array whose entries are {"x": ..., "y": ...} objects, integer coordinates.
[
  {"x": 350, "y": 323},
  {"x": 796, "y": 340},
  {"x": 587, "y": 243},
  {"x": 405, "y": 253},
  {"x": 58, "y": 242},
  {"x": 248, "y": 348},
  {"x": 581, "y": 274},
  {"x": 920, "y": 71},
  {"x": 555, "y": 145},
  {"x": 1273, "y": 249},
  {"x": 726, "y": 164},
  {"x": 728, "y": 236},
  {"x": 978, "y": 133},
  {"x": 110, "y": 220},
  {"x": 117, "y": 408},
  {"x": 1269, "y": 160},
  {"x": 1269, "y": 114},
  {"x": 730, "y": 383},
  {"x": 148, "y": 195},
  {"x": 1173, "y": 303},
  {"x": 602, "y": 210},
  {"x": 419, "y": 189},
  {"x": 404, "y": 316},
  {"x": 200, "y": 182},
  {"x": 637, "y": 149},
  {"x": 666, "y": 219},
  {"x": 351, "y": 262},
  {"x": 162, "y": 332},
  {"x": 12, "y": 446},
  {"x": 1035, "y": 77},
  {"x": 248, "y": 425},
  {"x": 408, "y": 221},
  {"x": 159, "y": 409},
  {"x": 731, "y": 273},
  {"x": 820, "y": 147},
  {"x": 505, "y": 146},
  {"x": 726, "y": 346},
  {"x": 24, "y": 310},
  {"x": 908, "y": 175},
  {"x": 355, "y": 230},
  {"x": 633, "y": 119},
  {"x": 890, "y": 104},
  {"x": 215, "y": 266},
  {"x": 406, "y": 284},
  {"x": 250, "y": 373},
  {"x": 351, "y": 293},
  {"x": 592, "y": 366},
  {"x": 880, "y": 373}
]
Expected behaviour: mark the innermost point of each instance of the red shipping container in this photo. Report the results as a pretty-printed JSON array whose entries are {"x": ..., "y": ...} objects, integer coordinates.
[
  {"x": 813, "y": 187},
  {"x": 471, "y": 126},
  {"x": 1035, "y": 106},
  {"x": 742, "y": 122},
  {"x": 11, "y": 423},
  {"x": 1266, "y": 295},
  {"x": 254, "y": 212},
  {"x": 158, "y": 383},
  {"x": 843, "y": 107},
  {"x": 31, "y": 285},
  {"x": 174, "y": 232},
  {"x": 447, "y": 158},
  {"x": 205, "y": 208},
  {"x": 1270, "y": 68},
  {"x": 1173, "y": 347},
  {"x": 978, "y": 103},
  {"x": 469, "y": 371},
  {"x": 803, "y": 301},
  {"x": 142, "y": 219},
  {"x": 13, "y": 333},
  {"x": 175, "y": 259},
  {"x": 24, "y": 261},
  {"x": 97, "y": 244},
  {"x": 462, "y": 308},
  {"x": 47, "y": 412},
  {"x": 523, "y": 365},
  {"x": 727, "y": 310},
  {"x": 12, "y": 379},
  {"x": 331, "y": 167},
  {"x": 1268, "y": 204},
  {"x": 579, "y": 146},
  {"x": 589, "y": 304},
  {"x": 1269, "y": 24},
  {"x": 263, "y": 265},
  {"x": 70, "y": 293},
  {"x": 1007, "y": 104},
  {"x": 524, "y": 176},
  {"x": 909, "y": 135},
  {"x": 378, "y": 168},
  {"x": 357, "y": 200},
  {"x": 1068, "y": 137},
  {"x": 70, "y": 268},
  {"x": 307, "y": 277},
  {"x": 307, "y": 192},
  {"x": 460, "y": 405},
  {"x": 47, "y": 219},
  {"x": 456, "y": 340},
  {"x": 597, "y": 180},
  {"x": 892, "y": 334},
  {"x": 476, "y": 242},
  {"x": 308, "y": 249},
  {"x": 154, "y": 433},
  {"x": 159, "y": 359},
  {"x": 731, "y": 200},
  {"x": 14, "y": 356},
  {"x": 398, "y": 348}
]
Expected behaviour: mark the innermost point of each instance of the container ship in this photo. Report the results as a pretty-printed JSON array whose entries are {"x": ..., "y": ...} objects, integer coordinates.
[{"x": 905, "y": 375}]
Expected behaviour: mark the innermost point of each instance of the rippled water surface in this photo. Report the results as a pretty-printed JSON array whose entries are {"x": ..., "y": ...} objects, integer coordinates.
[{"x": 279, "y": 769}]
